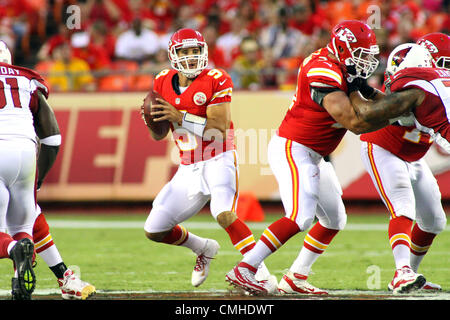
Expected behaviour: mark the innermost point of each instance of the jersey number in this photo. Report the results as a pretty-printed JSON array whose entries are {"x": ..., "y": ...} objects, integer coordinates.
[{"x": 12, "y": 90}]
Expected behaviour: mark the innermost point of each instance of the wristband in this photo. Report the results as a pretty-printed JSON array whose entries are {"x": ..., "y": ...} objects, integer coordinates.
[
  {"x": 194, "y": 123},
  {"x": 54, "y": 140}
]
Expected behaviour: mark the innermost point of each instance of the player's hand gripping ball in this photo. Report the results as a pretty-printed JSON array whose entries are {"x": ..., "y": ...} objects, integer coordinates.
[{"x": 158, "y": 127}]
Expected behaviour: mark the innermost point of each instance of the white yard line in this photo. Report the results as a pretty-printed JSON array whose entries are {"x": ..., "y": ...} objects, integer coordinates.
[{"x": 97, "y": 224}]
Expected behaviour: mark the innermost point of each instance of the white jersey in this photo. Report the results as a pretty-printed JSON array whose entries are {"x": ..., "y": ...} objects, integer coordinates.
[{"x": 18, "y": 101}]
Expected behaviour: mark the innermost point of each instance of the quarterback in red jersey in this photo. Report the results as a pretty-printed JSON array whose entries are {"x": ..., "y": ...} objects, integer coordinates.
[
  {"x": 317, "y": 119},
  {"x": 196, "y": 101},
  {"x": 393, "y": 157}
]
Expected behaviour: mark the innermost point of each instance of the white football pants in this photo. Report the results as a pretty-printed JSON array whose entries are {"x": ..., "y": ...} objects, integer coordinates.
[
  {"x": 190, "y": 189},
  {"x": 308, "y": 185},
  {"x": 17, "y": 185},
  {"x": 407, "y": 188}
]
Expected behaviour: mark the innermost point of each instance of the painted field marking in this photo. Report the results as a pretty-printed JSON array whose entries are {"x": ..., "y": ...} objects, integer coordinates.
[{"x": 98, "y": 224}]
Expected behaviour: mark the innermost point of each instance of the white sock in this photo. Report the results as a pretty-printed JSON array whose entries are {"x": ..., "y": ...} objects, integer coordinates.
[
  {"x": 415, "y": 261},
  {"x": 195, "y": 243},
  {"x": 257, "y": 255},
  {"x": 304, "y": 261},
  {"x": 401, "y": 256},
  {"x": 51, "y": 256}
]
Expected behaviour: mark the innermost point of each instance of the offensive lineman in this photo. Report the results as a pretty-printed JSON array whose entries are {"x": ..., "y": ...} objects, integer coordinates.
[
  {"x": 317, "y": 119},
  {"x": 393, "y": 156},
  {"x": 197, "y": 103}
]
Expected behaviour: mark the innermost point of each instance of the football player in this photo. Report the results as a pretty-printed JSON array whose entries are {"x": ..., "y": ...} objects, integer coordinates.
[
  {"x": 196, "y": 101},
  {"x": 47, "y": 144},
  {"x": 22, "y": 118},
  {"x": 393, "y": 157},
  {"x": 317, "y": 119}
]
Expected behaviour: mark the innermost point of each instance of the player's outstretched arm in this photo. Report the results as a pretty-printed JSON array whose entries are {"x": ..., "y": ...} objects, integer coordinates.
[
  {"x": 47, "y": 130},
  {"x": 338, "y": 105},
  {"x": 391, "y": 106}
]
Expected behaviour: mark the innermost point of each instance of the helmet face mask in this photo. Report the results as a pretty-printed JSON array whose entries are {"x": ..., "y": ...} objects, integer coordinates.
[
  {"x": 365, "y": 61},
  {"x": 443, "y": 62},
  {"x": 183, "y": 56}
]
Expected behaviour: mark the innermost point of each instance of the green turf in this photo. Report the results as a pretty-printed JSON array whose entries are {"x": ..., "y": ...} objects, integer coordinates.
[{"x": 123, "y": 259}]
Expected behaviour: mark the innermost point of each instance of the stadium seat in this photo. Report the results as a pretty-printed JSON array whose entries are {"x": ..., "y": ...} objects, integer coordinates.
[
  {"x": 121, "y": 77},
  {"x": 142, "y": 82},
  {"x": 114, "y": 83}
]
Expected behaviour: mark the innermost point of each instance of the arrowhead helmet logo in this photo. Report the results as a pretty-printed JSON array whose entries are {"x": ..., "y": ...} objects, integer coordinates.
[
  {"x": 346, "y": 35},
  {"x": 429, "y": 46}
]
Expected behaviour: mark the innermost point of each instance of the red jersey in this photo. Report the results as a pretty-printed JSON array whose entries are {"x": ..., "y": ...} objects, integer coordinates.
[
  {"x": 411, "y": 143},
  {"x": 211, "y": 87},
  {"x": 306, "y": 121}
]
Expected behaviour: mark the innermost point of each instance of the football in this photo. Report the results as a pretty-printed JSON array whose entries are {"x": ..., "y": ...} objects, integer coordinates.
[{"x": 159, "y": 128}]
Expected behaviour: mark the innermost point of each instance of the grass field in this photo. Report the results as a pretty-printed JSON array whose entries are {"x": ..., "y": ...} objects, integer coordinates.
[{"x": 111, "y": 252}]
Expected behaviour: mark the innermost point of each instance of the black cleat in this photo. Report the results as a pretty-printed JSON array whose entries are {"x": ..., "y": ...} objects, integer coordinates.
[{"x": 22, "y": 255}]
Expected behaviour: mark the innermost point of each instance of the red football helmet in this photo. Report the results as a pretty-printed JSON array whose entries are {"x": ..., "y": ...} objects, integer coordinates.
[
  {"x": 438, "y": 44},
  {"x": 355, "y": 45},
  {"x": 188, "y": 38}
]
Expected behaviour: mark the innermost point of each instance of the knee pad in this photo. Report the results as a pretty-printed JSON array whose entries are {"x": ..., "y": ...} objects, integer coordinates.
[
  {"x": 338, "y": 224},
  {"x": 437, "y": 226}
]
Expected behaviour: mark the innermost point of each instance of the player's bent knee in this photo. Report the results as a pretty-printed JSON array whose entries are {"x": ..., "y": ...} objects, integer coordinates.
[
  {"x": 156, "y": 236},
  {"x": 439, "y": 224},
  {"x": 226, "y": 218}
]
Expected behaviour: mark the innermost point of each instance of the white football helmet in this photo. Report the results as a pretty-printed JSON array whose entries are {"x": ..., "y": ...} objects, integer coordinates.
[
  {"x": 5, "y": 54},
  {"x": 408, "y": 55}
]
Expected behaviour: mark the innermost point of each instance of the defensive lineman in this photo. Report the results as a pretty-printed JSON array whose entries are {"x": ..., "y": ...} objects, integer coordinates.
[
  {"x": 72, "y": 287},
  {"x": 22, "y": 117},
  {"x": 393, "y": 156}
]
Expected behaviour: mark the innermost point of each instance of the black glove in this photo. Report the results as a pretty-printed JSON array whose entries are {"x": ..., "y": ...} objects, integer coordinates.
[
  {"x": 361, "y": 85},
  {"x": 354, "y": 85}
]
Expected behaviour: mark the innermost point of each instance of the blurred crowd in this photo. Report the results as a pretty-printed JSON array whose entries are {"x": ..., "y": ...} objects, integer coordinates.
[{"x": 114, "y": 45}]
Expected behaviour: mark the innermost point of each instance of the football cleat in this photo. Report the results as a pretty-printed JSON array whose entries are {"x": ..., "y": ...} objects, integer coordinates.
[
  {"x": 295, "y": 283},
  {"x": 263, "y": 274},
  {"x": 428, "y": 287},
  {"x": 22, "y": 254},
  {"x": 201, "y": 268},
  {"x": 243, "y": 276},
  {"x": 73, "y": 288},
  {"x": 406, "y": 280}
]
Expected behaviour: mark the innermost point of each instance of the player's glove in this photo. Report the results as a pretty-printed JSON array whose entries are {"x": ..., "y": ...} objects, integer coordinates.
[{"x": 361, "y": 85}]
